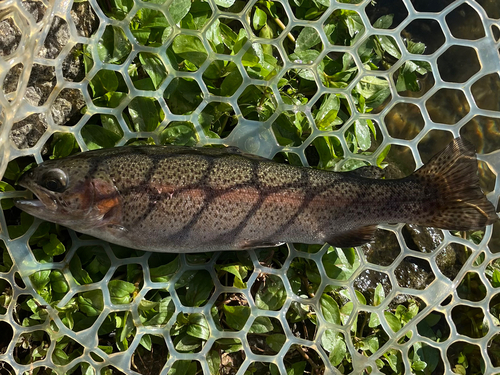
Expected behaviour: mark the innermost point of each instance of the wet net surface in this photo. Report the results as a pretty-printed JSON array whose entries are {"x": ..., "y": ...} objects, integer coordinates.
[{"x": 416, "y": 300}]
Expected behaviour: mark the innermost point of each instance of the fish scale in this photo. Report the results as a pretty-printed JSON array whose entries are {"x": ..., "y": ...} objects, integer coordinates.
[{"x": 181, "y": 199}]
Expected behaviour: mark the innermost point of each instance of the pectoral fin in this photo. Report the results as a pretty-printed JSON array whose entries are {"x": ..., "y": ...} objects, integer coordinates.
[{"x": 353, "y": 237}]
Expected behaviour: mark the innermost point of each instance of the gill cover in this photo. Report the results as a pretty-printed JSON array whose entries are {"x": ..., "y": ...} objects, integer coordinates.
[{"x": 66, "y": 194}]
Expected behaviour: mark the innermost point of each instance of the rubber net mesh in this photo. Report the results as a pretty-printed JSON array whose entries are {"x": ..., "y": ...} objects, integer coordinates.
[{"x": 405, "y": 305}]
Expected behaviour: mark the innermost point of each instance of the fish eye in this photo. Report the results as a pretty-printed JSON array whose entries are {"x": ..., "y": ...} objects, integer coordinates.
[{"x": 55, "y": 180}]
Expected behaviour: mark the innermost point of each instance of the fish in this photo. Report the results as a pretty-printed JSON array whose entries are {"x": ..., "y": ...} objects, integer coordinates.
[{"x": 187, "y": 199}]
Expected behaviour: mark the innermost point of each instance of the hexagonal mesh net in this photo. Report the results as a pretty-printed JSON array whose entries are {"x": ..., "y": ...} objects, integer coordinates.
[{"x": 321, "y": 83}]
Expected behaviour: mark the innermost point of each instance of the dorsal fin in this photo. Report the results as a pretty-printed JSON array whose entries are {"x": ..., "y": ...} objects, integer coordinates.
[
  {"x": 208, "y": 151},
  {"x": 368, "y": 171},
  {"x": 238, "y": 151}
]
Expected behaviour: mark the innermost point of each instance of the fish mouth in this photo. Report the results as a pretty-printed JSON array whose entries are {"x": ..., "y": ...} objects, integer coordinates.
[
  {"x": 36, "y": 206},
  {"x": 42, "y": 201}
]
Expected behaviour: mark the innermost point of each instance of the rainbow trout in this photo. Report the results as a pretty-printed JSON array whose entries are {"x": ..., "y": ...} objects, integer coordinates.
[{"x": 182, "y": 199}]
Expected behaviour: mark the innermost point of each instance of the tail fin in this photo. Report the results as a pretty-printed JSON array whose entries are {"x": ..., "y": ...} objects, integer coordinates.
[{"x": 453, "y": 172}]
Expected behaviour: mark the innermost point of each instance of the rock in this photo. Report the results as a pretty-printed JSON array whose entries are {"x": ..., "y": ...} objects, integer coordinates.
[
  {"x": 383, "y": 249},
  {"x": 66, "y": 108},
  {"x": 73, "y": 67},
  {"x": 27, "y": 132},
  {"x": 449, "y": 260},
  {"x": 421, "y": 238},
  {"x": 12, "y": 78},
  {"x": 40, "y": 84},
  {"x": 411, "y": 272},
  {"x": 85, "y": 19},
  {"x": 56, "y": 39},
  {"x": 10, "y": 37},
  {"x": 368, "y": 280},
  {"x": 414, "y": 273},
  {"x": 36, "y": 8}
]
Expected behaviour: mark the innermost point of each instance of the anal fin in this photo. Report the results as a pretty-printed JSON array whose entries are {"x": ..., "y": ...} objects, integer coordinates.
[
  {"x": 353, "y": 237},
  {"x": 247, "y": 245}
]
